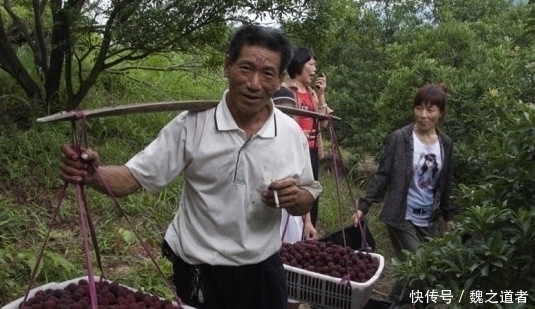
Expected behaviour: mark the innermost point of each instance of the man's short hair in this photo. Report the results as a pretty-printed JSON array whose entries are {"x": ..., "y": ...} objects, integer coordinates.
[{"x": 255, "y": 35}]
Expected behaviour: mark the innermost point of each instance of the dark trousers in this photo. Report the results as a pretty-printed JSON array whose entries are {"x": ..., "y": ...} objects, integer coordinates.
[
  {"x": 407, "y": 237},
  {"x": 259, "y": 286},
  {"x": 315, "y": 161}
]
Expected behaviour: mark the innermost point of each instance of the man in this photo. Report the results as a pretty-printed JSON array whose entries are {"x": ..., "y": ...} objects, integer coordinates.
[{"x": 242, "y": 161}]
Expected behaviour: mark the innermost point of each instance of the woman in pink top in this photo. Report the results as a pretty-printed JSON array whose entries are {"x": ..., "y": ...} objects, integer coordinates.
[{"x": 310, "y": 96}]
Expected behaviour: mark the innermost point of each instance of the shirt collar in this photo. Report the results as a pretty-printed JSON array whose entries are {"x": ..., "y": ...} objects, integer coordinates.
[{"x": 225, "y": 122}]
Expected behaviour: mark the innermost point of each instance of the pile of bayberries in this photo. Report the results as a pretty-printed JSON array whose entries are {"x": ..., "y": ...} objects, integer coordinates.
[
  {"x": 110, "y": 295},
  {"x": 329, "y": 259}
]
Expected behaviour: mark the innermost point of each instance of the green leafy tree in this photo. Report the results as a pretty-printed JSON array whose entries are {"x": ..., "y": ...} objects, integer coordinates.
[
  {"x": 384, "y": 51},
  {"x": 488, "y": 66},
  {"x": 56, "y": 50}
]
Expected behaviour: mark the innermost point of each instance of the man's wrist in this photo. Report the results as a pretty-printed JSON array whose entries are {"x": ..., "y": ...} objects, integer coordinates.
[{"x": 92, "y": 180}]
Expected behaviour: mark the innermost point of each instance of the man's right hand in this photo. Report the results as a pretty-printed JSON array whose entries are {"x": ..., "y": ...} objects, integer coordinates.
[{"x": 76, "y": 166}]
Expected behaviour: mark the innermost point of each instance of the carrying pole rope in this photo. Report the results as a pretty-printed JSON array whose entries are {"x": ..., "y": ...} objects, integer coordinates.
[
  {"x": 82, "y": 211},
  {"x": 337, "y": 166},
  {"x": 45, "y": 242},
  {"x": 85, "y": 218},
  {"x": 121, "y": 211},
  {"x": 77, "y": 145}
]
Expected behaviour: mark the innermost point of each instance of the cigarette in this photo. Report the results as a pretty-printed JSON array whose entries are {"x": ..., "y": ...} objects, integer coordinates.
[{"x": 276, "y": 196}]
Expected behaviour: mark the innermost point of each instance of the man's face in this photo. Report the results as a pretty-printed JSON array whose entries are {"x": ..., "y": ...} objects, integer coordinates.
[{"x": 253, "y": 78}]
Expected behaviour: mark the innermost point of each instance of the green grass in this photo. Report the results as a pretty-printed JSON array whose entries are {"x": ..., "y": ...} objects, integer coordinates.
[{"x": 30, "y": 185}]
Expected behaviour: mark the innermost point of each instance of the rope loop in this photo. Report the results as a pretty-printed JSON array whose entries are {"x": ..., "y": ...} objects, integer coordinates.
[{"x": 79, "y": 137}]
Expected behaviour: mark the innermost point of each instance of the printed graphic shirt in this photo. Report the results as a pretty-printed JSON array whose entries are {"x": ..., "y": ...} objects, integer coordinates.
[{"x": 427, "y": 163}]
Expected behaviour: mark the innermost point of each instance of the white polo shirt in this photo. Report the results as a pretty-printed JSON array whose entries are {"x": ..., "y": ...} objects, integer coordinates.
[{"x": 221, "y": 218}]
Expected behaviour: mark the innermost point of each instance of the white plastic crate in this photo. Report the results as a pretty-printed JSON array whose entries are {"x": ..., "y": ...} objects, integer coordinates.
[
  {"x": 59, "y": 285},
  {"x": 326, "y": 291}
]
